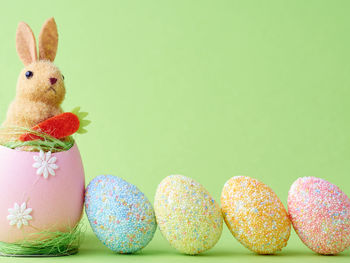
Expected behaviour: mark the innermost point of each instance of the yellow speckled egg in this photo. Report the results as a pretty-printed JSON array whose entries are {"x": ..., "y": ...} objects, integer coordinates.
[
  {"x": 255, "y": 215},
  {"x": 187, "y": 216}
]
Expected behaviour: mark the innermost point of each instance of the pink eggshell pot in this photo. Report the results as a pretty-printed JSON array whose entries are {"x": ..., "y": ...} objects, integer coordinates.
[{"x": 39, "y": 192}]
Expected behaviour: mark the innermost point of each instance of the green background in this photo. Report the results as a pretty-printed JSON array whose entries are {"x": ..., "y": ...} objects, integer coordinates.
[{"x": 207, "y": 89}]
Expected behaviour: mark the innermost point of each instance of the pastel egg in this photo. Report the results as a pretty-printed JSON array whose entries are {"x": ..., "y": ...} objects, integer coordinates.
[
  {"x": 187, "y": 216},
  {"x": 41, "y": 192},
  {"x": 320, "y": 214},
  {"x": 255, "y": 215},
  {"x": 119, "y": 213}
]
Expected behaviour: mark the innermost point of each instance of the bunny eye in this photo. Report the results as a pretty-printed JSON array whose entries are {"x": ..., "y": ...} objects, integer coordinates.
[
  {"x": 29, "y": 74},
  {"x": 62, "y": 77}
]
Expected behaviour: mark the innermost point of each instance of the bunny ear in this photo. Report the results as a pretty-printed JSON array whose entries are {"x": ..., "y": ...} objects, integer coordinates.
[
  {"x": 48, "y": 40},
  {"x": 25, "y": 44}
]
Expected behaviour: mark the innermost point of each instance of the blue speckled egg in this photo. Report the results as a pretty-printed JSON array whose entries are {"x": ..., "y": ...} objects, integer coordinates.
[{"x": 119, "y": 213}]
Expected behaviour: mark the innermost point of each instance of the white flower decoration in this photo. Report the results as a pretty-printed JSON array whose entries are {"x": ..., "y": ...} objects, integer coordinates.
[
  {"x": 19, "y": 215},
  {"x": 45, "y": 164}
]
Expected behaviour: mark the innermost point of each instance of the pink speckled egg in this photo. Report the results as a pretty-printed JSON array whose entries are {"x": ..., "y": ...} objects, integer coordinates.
[
  {"x": 40, "y": 191},
  {"x": 320, "y": 214}
]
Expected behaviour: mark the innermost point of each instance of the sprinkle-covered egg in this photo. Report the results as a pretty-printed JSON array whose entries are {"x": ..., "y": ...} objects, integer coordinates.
[
  {"x": 320, "y": 214},
  {"x": 255, "y": 215},
  {"x": 187, "y": 216},
  {"x": 119, "y": 213}
]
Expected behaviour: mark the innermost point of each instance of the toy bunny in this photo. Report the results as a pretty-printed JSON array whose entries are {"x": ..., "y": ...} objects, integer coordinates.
[
  {"x": 39, "y": 157},
  {"x": 40, "y": 85}
]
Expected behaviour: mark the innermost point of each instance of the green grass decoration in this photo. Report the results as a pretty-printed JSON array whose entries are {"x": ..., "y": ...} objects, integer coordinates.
[
  {"x": 45, "y": 243},
  {"x": 48, "y": 143}
]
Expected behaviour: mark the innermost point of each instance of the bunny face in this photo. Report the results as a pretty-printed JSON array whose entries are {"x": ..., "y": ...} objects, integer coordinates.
[
  {"x": 41, "y": 81},
  {"x": 40, "y": 85}
]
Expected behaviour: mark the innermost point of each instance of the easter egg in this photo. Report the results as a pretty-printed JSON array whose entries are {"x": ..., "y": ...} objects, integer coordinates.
[
  {"x": 119, "y": 213},
  {"x": 187, "y": 216},
  {"x": 41, "y": 192},
  {"x": 255, "y": 215},
  {"x": 320, "y": 214}
]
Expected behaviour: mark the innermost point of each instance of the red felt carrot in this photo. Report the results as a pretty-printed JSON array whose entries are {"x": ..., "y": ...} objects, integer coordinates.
[{"x": 59, "y": 126}]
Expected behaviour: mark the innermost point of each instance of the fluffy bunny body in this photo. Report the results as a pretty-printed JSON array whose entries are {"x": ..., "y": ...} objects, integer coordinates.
[{"x": 40, "y": 85}]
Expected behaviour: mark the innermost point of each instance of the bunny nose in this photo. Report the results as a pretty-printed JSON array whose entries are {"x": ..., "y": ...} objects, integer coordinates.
[{"x": 53, "y": 81}]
